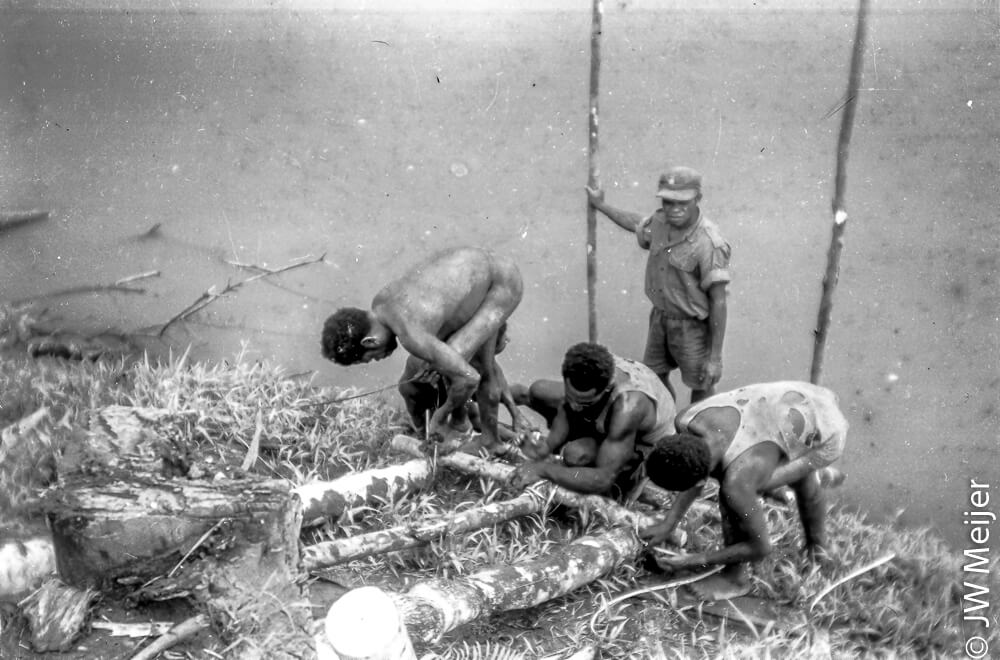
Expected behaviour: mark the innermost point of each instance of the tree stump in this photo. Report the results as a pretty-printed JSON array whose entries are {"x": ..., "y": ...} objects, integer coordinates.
[
  {"x": 107, "y": 535},
  {"x": 128, "y": 520}
]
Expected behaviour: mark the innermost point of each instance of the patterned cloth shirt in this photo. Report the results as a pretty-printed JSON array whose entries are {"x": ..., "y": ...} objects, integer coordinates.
[
  {"x": 797, "y": 416},
  {"x": 680, "y": 272}
]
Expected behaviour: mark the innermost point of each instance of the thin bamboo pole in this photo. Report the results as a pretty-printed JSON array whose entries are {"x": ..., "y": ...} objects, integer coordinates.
[
  {"x": 593, "y": 178},
  {"x": 840, "y": 185}
]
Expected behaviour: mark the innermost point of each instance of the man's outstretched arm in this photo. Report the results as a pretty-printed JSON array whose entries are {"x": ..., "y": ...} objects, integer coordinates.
[
  {"x": 661, "y": 532},
  {"x": 747, "y": 518},
  {"x": 625, "y": 219},
  {"x": 612, "y": 458}
]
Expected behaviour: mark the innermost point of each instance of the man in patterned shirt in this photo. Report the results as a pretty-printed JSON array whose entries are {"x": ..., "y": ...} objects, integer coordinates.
[
  {"x": 686, "y": 276},
  {"x": 751, "y": 440}
]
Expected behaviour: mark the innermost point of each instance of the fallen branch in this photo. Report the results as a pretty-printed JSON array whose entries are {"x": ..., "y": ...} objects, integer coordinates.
[
  {"x": 670, "y": 584},
  {"x": 118, "y": 286},
  {"x": 182, "y": 631},
  {"x": 137, "y": 276},
  {"x": 850, "y": 576},
  {"x": 13, "y": 219},
  {"x": 150, "y": 629},
  {"x": 211, "y": 295}
]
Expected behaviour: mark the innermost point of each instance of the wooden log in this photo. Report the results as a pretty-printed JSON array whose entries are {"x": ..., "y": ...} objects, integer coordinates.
[
  {"x": 177, "y": 634},
  {"x": 434, "y": 607},
  {"x": 12, "y": 219},
  {"x": 611, "y": 511},
  {"x": 329, "y": 500},
  {"x": 330, "y": 553}
]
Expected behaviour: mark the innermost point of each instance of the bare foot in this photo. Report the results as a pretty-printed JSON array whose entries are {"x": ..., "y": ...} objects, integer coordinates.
[{"x": 727, "y": 584}]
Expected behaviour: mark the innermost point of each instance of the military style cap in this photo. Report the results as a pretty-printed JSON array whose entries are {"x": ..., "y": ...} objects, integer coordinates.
[{"x": 680, "y": 183}]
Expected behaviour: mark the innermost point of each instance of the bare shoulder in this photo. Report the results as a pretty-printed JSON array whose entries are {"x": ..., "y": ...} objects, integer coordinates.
[{"x": 632, "y": 412}]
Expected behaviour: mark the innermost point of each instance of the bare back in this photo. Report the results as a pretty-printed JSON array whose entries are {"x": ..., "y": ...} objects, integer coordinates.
[{"x": 440, "y": 297}]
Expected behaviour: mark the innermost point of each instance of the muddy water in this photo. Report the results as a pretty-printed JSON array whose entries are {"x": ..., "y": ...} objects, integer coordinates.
[{"x": 373, "y": 138}]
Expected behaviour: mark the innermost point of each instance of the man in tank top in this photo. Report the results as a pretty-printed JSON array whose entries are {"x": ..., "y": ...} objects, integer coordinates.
[
  {"x": 751, "y": 440},
  {"x": 604, "y": 417}
]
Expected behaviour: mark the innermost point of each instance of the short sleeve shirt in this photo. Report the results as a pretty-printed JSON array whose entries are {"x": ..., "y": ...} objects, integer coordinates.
[{"x": 680, "y": 272}]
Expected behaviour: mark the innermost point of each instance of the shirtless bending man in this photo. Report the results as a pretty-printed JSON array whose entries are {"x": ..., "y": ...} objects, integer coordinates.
[
  {"x": 751, "y": 440},
  {"x": 446, "y": 311}
]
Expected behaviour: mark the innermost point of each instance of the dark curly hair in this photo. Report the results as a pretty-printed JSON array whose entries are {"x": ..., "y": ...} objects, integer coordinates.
[
  {"x": 678, "y": 462},
  {"x": 342, "y": 335},
  {"x": 588, "y": 366}
]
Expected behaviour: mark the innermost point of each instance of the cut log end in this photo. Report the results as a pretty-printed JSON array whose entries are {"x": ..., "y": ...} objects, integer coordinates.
[{"x": 365, "y": 623}]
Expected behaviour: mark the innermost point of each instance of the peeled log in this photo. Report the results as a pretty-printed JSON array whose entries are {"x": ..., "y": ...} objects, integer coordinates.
[
  {"x": 330, "y": 553},
  {"x": 330, "y": 499},
  {"x": 435, "y": 607}
]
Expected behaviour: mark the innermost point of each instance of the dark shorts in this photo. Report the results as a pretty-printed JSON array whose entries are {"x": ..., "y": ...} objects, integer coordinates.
[{"x": 677, "y": 344}]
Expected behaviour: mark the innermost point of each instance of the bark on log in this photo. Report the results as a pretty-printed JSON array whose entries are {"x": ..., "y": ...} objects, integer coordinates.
[
  {"x": 330, "y": 553},
  {"x": 435, "y": 607},
  {"x": 329, "y": 500},
  {"x": 611, "y": 511}
]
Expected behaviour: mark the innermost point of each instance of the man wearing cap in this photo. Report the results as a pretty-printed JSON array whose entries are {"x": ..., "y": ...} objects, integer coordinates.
[{"x": 686, "y": 275}]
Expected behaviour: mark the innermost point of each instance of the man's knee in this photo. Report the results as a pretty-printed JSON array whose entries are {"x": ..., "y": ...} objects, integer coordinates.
[
  {"x": 546, "y": 394},
  {"x": 521, "y": 394}
]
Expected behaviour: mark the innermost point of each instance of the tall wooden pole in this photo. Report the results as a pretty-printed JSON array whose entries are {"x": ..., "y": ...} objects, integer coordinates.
[
  {"x": 593, "y": 178},
  {"x": 840, "y": 184}
]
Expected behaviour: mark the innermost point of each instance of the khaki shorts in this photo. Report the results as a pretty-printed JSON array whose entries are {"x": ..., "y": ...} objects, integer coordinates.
[{"x": 677, "y": 344}]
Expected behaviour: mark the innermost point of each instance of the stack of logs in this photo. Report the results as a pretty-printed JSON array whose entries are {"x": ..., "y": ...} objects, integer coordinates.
[{"x": 124, "y": 522}]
